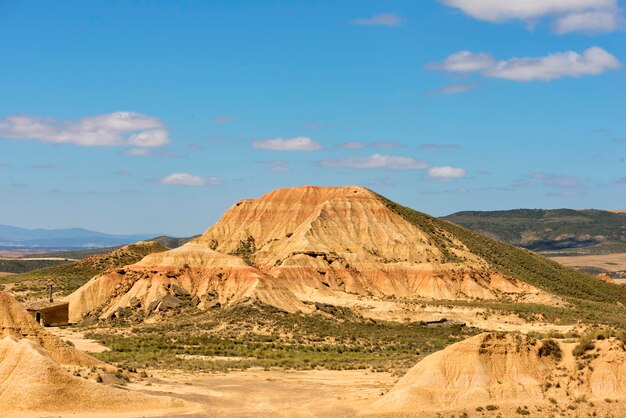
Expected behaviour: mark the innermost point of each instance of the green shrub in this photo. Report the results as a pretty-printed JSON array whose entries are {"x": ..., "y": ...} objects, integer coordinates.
[{"x": 550, "y": 348}]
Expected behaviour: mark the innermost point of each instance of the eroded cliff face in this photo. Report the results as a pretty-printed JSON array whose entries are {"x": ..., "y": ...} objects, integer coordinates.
[{"x": 299, "y": 245}]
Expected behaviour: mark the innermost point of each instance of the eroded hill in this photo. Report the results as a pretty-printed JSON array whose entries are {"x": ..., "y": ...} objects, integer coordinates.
[{"x": 341, "y": 246}]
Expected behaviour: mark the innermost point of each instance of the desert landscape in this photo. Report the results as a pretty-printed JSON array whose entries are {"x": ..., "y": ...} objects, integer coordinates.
[
  {"x": 352, "y": 305},
  {"x": 356, "y": 208}
]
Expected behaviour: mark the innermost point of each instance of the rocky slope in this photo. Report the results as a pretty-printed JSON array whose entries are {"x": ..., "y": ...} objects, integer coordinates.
[
  {"x": 291, "y": 247},
  {"x": 559, "y": 231}
]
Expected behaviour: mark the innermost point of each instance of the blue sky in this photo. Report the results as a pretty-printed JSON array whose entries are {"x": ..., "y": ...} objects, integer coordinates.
[{"x": 156, "y": 116}]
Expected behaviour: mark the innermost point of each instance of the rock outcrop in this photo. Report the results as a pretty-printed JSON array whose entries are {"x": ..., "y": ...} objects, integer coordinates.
[{"x": 302, "y": 244}]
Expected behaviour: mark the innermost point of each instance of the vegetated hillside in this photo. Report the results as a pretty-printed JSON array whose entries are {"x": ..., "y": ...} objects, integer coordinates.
[
  {"x": 171, "y": 242},
  {"x": 302, "y": 248},
  {"x": 592, "y": 299},
  {"x": 68, "y": 277},
  {"x": 564, "y": 231},
  {"x": 14, "y": 265}
]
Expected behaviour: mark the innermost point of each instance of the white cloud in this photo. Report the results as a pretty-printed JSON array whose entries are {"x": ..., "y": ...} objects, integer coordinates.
[
  {"x": 150, "y": 138},
  {"x": 569, "y": 15},
  {"x": 381, "y": 19},
  {"x": 113, "y": 129},
  {"x": 446, "y": 173},
  {"x": 464, "y": 62},
  {"x": 588, "y": 22},
  {"x": 592, "y": 61},
  {"x": 301, "y": 143},
  {"x": 377, "y": 161},
  {"x": 186, "y": 179}
]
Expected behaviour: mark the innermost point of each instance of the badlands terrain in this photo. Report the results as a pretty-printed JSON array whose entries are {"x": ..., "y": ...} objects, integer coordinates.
[{"x": 319, "y": 301}]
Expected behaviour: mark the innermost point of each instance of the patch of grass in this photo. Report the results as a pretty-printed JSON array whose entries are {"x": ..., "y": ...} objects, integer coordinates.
[
  {"x": 587, "y": 342},
  {"x": 550, "y": 348},
  {"x": 262, "y": 336}
]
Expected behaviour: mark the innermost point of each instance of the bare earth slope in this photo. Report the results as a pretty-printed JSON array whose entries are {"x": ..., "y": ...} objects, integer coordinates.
[
  {"x": 16, "y": 322},
  {"x": 509, "y": 369},
  {"x": 339, "y": 245},
  {"x": 32, "y": 379}
]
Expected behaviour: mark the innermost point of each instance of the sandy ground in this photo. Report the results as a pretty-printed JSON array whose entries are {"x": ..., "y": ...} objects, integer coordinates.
[
  {"x": 312, "y": 393},
  {"x": 78, "y": 339},
  {"x": 3, "y": 274},
  {"x": 608, "y": 263},
  {"x": 256, "y": 392}
]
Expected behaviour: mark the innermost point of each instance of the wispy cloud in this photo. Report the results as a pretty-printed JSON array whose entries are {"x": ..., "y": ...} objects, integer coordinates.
[
  {"x": 454, "y": 89},
  {"x": 301, "y": 143},
  {"x": 275, "y": 165},
  {"x": 355, "y": 145},
  {"x": 377, "y": 161},
  {"x": 386, "y": 144},
  {"x": 137, "y": 151},
  {"x": 47, "y": 166},
  {"x": 122, "y": 173},
  {"x": 313, "y": 125},
  {"x": 589, "y": 22},
  {"x": 446, "y": 173},
  {"x": 437, "y": 147},
  {"x": 352, "y": 145},
  {"x": 186, "y": 179},
  {"x": 113, "y": 129},
  {"x": 564, "y": 186},
  {"x": 586, "y": 16},
  {"x": 222, "y": 119},
  {"x": 592, "y": 61},
  {"x": 4, "y": 165},
  {"x": 381, "y": 19},
  {"x": 172, "y": 155}
]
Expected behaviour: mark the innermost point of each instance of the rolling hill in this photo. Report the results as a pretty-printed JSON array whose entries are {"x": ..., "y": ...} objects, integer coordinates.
[
  {"x": 558, "y": 231},
  {"x": 71, "y": 238}
]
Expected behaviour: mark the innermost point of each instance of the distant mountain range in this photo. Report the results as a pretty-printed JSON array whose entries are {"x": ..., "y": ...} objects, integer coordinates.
[
  {"x": 12, "y": 237},
  {"x": 557, "y": 231}
]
